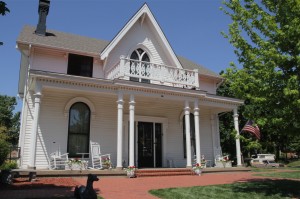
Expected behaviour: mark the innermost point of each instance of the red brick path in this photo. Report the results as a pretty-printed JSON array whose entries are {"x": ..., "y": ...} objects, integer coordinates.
[{"x": 116, "y": 187}]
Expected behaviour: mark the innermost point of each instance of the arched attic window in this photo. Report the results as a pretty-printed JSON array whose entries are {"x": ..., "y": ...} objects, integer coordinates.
[
  {"x": 79, "y": 129},
  {"x": 141, "y": 67}
]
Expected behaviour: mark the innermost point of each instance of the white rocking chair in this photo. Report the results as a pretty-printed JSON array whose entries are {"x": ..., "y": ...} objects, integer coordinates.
[
  {"x": 99, "y": 160},
  {"x": 58, "y": 160}
]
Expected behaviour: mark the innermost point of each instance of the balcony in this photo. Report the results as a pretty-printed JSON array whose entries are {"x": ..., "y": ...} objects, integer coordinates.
[{"x": 148, "y": 72}]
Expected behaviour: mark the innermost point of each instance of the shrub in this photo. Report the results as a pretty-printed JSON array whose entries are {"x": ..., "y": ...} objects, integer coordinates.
[
  {"x": 4, "y": 151},
  {"x": 8, "y": 165}
]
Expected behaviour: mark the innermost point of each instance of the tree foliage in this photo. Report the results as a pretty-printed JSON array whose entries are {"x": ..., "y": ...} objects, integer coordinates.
[
  {"x": 3, "y": 11},
  {"x": 3, "y": 8},
  {"x": 266, "y": 35},
  {"x": 9, "y": 121},
  {"x": 249, "y": 144}
]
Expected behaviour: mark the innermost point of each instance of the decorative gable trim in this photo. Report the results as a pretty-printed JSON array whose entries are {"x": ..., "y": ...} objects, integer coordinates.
[{"x": 141, "y": 14}]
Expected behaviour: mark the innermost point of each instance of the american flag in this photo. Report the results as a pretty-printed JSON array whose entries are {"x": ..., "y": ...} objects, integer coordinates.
[{"x": 251, "y": 127}]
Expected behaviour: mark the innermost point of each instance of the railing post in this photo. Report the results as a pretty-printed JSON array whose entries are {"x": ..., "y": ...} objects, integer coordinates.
[
  {"x": 122, "y": 66},
  {"x": 196, "y": 83}
]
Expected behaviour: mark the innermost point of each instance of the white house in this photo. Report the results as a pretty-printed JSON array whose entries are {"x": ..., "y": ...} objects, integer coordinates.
[{"x": 144, "y": 104}]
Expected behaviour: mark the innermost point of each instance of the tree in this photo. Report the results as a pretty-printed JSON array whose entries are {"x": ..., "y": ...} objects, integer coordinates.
[
  {"x": 266, "y": 40},
  {"x": 227, "y": 132},
  {"x": 9, "y": 121},
  {"x": 3, "y": 11}
]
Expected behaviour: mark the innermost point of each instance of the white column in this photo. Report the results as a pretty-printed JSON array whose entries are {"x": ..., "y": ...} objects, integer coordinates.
[
  {"x": 237, "y": 140},
  {"x": 131, "y": 130},
  {"x": 122, "y": 65},
  {"x": 218, "y": 131},
  {"x": 187, "y": 135},
  {"x": 37, "y": 102},
  {"x": 197, "y": 130},
  {"x": 120, "y": 130},
  {"x": 213, "y": 130}
]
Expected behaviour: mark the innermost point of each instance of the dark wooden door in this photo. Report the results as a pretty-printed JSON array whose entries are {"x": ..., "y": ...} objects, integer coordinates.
[
  {"x": 149, "y": 144},
  {"x": 145, "y": 144}
]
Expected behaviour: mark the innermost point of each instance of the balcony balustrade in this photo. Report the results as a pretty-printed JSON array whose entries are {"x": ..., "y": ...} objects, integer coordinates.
[{"x": 153, "y": 73}]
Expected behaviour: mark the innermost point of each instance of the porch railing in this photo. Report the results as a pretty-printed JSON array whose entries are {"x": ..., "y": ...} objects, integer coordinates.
[{"x": 130, "y": 69}]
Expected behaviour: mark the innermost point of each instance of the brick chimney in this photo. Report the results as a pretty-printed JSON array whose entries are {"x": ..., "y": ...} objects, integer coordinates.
[{"x": 43, "y": 12}]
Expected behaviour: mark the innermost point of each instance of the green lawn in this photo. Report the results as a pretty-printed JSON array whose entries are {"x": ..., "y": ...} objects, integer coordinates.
[
  {"x": 253, "y": 169},
  {"x": 268, "y": 189},
  {"x": 294, "y": 164},
  {"x": 293, "y": 175}
]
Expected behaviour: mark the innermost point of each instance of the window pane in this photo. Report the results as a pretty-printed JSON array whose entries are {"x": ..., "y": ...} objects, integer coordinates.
[
  {"x": 79, "y": 129},
  {"x": 145, "y": 58},
  {"x": 80, "y": 65},
  {"x": 134, "y": 55}
]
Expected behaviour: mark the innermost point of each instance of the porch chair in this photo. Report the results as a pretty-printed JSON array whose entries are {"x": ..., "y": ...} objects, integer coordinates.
[
  {"x": 58, "y": 160},
  {"x": 96, "y": 156}
]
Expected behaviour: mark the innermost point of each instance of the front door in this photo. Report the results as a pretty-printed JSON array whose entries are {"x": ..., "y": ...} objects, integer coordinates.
[{"x": 149, "y": 144}]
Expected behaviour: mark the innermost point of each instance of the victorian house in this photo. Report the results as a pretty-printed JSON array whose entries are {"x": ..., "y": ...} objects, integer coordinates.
[{"x": 143, "y": 103}]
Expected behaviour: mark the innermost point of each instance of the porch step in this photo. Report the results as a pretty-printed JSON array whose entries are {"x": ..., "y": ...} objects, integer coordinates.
[{"x": 163, "y": 172}]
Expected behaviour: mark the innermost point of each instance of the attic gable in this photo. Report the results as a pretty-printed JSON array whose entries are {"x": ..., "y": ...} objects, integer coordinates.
[{"x": 139, "y": 17}]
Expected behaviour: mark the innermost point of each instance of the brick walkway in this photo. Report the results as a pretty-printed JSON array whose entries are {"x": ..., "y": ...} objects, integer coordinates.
[{"x": 117, "y": 187}]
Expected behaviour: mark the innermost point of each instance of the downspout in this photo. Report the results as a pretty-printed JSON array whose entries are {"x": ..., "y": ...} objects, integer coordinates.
[{"x": 220, "y": 83}]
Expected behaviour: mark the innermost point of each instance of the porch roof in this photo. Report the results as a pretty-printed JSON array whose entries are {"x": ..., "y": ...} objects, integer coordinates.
[
  {"x": 113, "y": 86},
  {"x": 85, "y": 45}
]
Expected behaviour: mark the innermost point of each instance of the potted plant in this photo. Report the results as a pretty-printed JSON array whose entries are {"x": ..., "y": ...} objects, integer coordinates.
[
  {"x": 6, "y": 174},
  {"x": 198, "y": 169},
  {"x": 77, "y": 164},
  {"x": 106, "y": 163},
  {"x": 225, "y": 161},
  {"x": 131, "y": 171}
]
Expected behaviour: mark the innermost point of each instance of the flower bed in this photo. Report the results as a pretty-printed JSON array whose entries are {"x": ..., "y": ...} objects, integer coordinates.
[{"x": 77, "y": 164}]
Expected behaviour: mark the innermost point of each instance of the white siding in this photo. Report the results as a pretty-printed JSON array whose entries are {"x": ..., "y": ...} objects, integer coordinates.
[
  {"x": 49, "y": 61},
  {"x": 98, "y": 70},
  {"x": 136, "y": 36},
  {"x": 53, "y": 126},
  {"x": 208, "y": 85},
  {"x": 26, "y": 145},
  {"x": 58, "y": 62}
]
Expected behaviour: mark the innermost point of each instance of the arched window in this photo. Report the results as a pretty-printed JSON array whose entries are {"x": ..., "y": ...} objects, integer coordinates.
[
  {"x": 79, "y": 129},
  {"x": 193, "y": 140},
  {"x": 143, "y": 60}
]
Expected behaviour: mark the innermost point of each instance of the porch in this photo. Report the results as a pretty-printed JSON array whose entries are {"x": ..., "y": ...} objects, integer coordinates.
[
  {"x": 122, "y": 115},
  {"x": 145, "y": 172}
]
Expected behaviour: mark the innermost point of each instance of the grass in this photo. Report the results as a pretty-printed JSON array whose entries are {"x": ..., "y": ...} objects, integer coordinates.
[
  {"x": 267, "y": 189},
  {"x": 253, "y": 169},
  {"x": 292, "y": 175},
  {"x": 294, "y": 164}
]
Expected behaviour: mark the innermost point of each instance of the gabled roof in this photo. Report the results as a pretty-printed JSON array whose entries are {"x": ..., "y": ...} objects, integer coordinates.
[
  {"x": 143, "y": 12},
  {"x": 63, "y": 41},
  {"x": 85, "y": 45},
  {"x": 188, "y": 64}
]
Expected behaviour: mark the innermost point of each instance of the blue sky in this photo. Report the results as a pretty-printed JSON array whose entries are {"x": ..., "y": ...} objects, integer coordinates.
[{"x": 192, "y": 27}]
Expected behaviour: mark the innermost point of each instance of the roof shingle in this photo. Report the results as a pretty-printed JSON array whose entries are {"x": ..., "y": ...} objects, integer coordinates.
[{"x": 86, "y": 45}]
